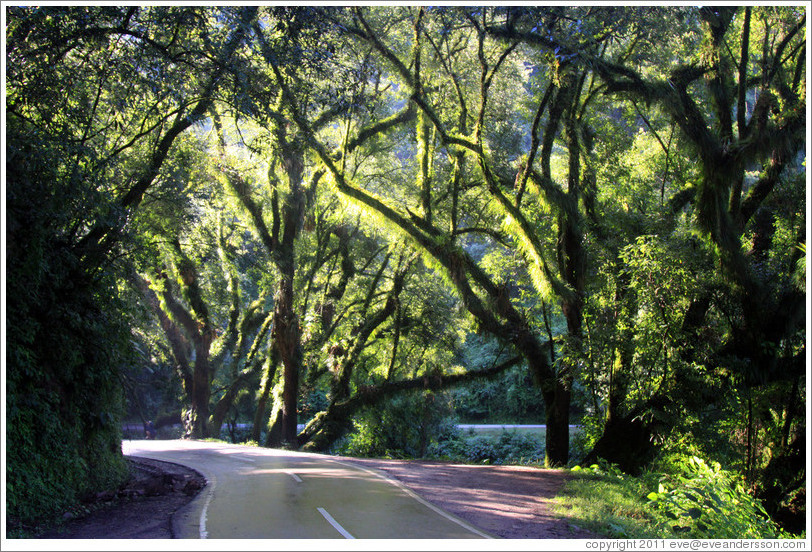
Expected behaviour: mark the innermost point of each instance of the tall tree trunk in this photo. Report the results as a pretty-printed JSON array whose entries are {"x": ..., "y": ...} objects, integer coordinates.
[
  {"x": 286, "y": 333},
  {"x": 178, "y": 343},
  {"x": 287, "y": 342},
  {"x": 195, "y": 367},
  {"x": 264, "y": 392},
  {"x": 198, "y": 415},
  {"x": 197, "y": 324},
  {"x": 557, "y": 395},
  {"x": 572, "y": 267},
  {"x": 245, "y": 361},
  {"x": 274, "y": 437}
]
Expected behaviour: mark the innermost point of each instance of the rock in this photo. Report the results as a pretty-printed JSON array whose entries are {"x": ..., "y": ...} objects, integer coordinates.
[
  {"x": 193, "y": 486},
  {"x": 158, "y": 485}
]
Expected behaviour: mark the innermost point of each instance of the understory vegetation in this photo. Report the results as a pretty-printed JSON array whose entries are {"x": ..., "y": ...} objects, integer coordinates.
[
  {"x": 424, "y": 426},
  {"x": 693, "y": 499},
  {"x": 350, "y": 228}
]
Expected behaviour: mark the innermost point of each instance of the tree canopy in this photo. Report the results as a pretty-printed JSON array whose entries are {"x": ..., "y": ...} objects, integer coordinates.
[{"x": 290, "y": 215}]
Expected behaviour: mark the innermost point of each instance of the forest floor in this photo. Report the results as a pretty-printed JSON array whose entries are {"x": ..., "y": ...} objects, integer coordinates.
[{"x": 512, "y": 502}]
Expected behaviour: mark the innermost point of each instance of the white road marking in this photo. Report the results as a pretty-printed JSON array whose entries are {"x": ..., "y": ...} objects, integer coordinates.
[
  {"x": 417, "y": 497},
  {"x": 203, "y": 533},
  {"x": 335, "y": 524},
  {"x": 295, "y": 477}
]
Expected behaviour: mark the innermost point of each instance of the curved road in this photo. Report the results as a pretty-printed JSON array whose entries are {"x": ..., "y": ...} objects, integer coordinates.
[{"x": 259, "y": 493}]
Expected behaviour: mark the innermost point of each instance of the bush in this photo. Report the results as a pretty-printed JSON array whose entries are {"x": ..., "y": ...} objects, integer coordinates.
[
  {"x": 402, "y": 427},
  {"x": 699, "y": 500},
  {"x": 705, "y": 501},
  {"x": 509, "y": 447},
  {"x": 512, "y": 398},
  {"x": 583, "y": 440}
]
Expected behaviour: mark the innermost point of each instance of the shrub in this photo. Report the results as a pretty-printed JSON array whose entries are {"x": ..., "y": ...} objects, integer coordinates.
[
  {"x": 512, "y": 398},
  {"x": 697, "y": 500},
  {"x": 583, "y": 440},
  {"x": 402, "y": 427},
  {"x": 480, "y": 449},
  {"x": 705, "y": 501},
  {"x": 509, "y": 447}
]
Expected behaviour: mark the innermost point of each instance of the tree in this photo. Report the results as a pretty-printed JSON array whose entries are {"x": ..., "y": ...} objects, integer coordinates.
[
  {"x": 742, "y": 136},
  {"x": 464, "y": 137},
  {"x": 322, "y": 205},
  {"x": 203, "y": 347},
  {"x": 71, "y": 146}
]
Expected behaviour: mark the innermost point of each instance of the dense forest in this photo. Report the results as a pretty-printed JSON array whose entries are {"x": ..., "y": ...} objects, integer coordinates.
[{"x": 361, "y": 218}]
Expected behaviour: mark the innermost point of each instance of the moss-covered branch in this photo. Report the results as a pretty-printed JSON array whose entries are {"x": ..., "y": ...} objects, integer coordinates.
[{"x": 329, "y": 425}]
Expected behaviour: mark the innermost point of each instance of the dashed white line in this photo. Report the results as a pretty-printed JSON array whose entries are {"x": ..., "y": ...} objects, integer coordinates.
[
  {"x": 415, "y": 496},
  {"x": 335, "y": 524},
  {"x": 295, "y": 477}
]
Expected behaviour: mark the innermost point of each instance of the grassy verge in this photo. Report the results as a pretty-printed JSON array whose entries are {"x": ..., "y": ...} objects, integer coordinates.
[
  {"x": 698, "y": 500},
  {"x": 608, "y": 504}
]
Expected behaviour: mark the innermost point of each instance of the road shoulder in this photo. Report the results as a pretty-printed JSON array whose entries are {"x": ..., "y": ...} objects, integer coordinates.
[
  {"x": 512, "y": 502},
  {"x": 141, "y": 509}
]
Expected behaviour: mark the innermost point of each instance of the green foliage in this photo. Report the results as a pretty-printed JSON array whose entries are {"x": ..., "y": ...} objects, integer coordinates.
[
  {"x": 511, "y": 398},
  {"x": 704, "y": 501},
  {"x": 589, "y": 431},
  {"x": 509, "y": 447},
  {"x": 421, "y": 425},
  {"x": 312, "y": 402},
  {"x": 658, "y": 239},
  {"x": 799, "y": 274},
  {"x": 403, "y": 427},
  {"x": 65, "y": 344},
  {"x": 696, "y": 499},
  {"x": 607, "y": 502}
]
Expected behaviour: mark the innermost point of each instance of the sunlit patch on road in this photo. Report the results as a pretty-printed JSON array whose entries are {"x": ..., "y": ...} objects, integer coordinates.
[{"x": 276, "y": 494}]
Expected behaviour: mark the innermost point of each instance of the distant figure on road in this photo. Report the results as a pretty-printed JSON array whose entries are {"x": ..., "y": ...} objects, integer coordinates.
[{"x": 149, "y": 429}]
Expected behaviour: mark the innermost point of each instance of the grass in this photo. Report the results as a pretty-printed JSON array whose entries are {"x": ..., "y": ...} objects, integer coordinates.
[
  {"x": 697, "y": 500},
  {"x": 608, "y": 504}
]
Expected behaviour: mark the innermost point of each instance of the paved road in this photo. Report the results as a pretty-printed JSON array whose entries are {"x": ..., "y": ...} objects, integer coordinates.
[{"x": 258, "y": 493}]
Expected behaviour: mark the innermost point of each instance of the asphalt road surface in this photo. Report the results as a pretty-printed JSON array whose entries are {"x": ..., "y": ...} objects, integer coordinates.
[{"x": 257, "y": 493}]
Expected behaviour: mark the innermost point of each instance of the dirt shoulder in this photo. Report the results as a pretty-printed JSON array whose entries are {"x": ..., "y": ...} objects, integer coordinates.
[
  {"x": 512, "y": 502},
  {"x": 141, "y": 509}
]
